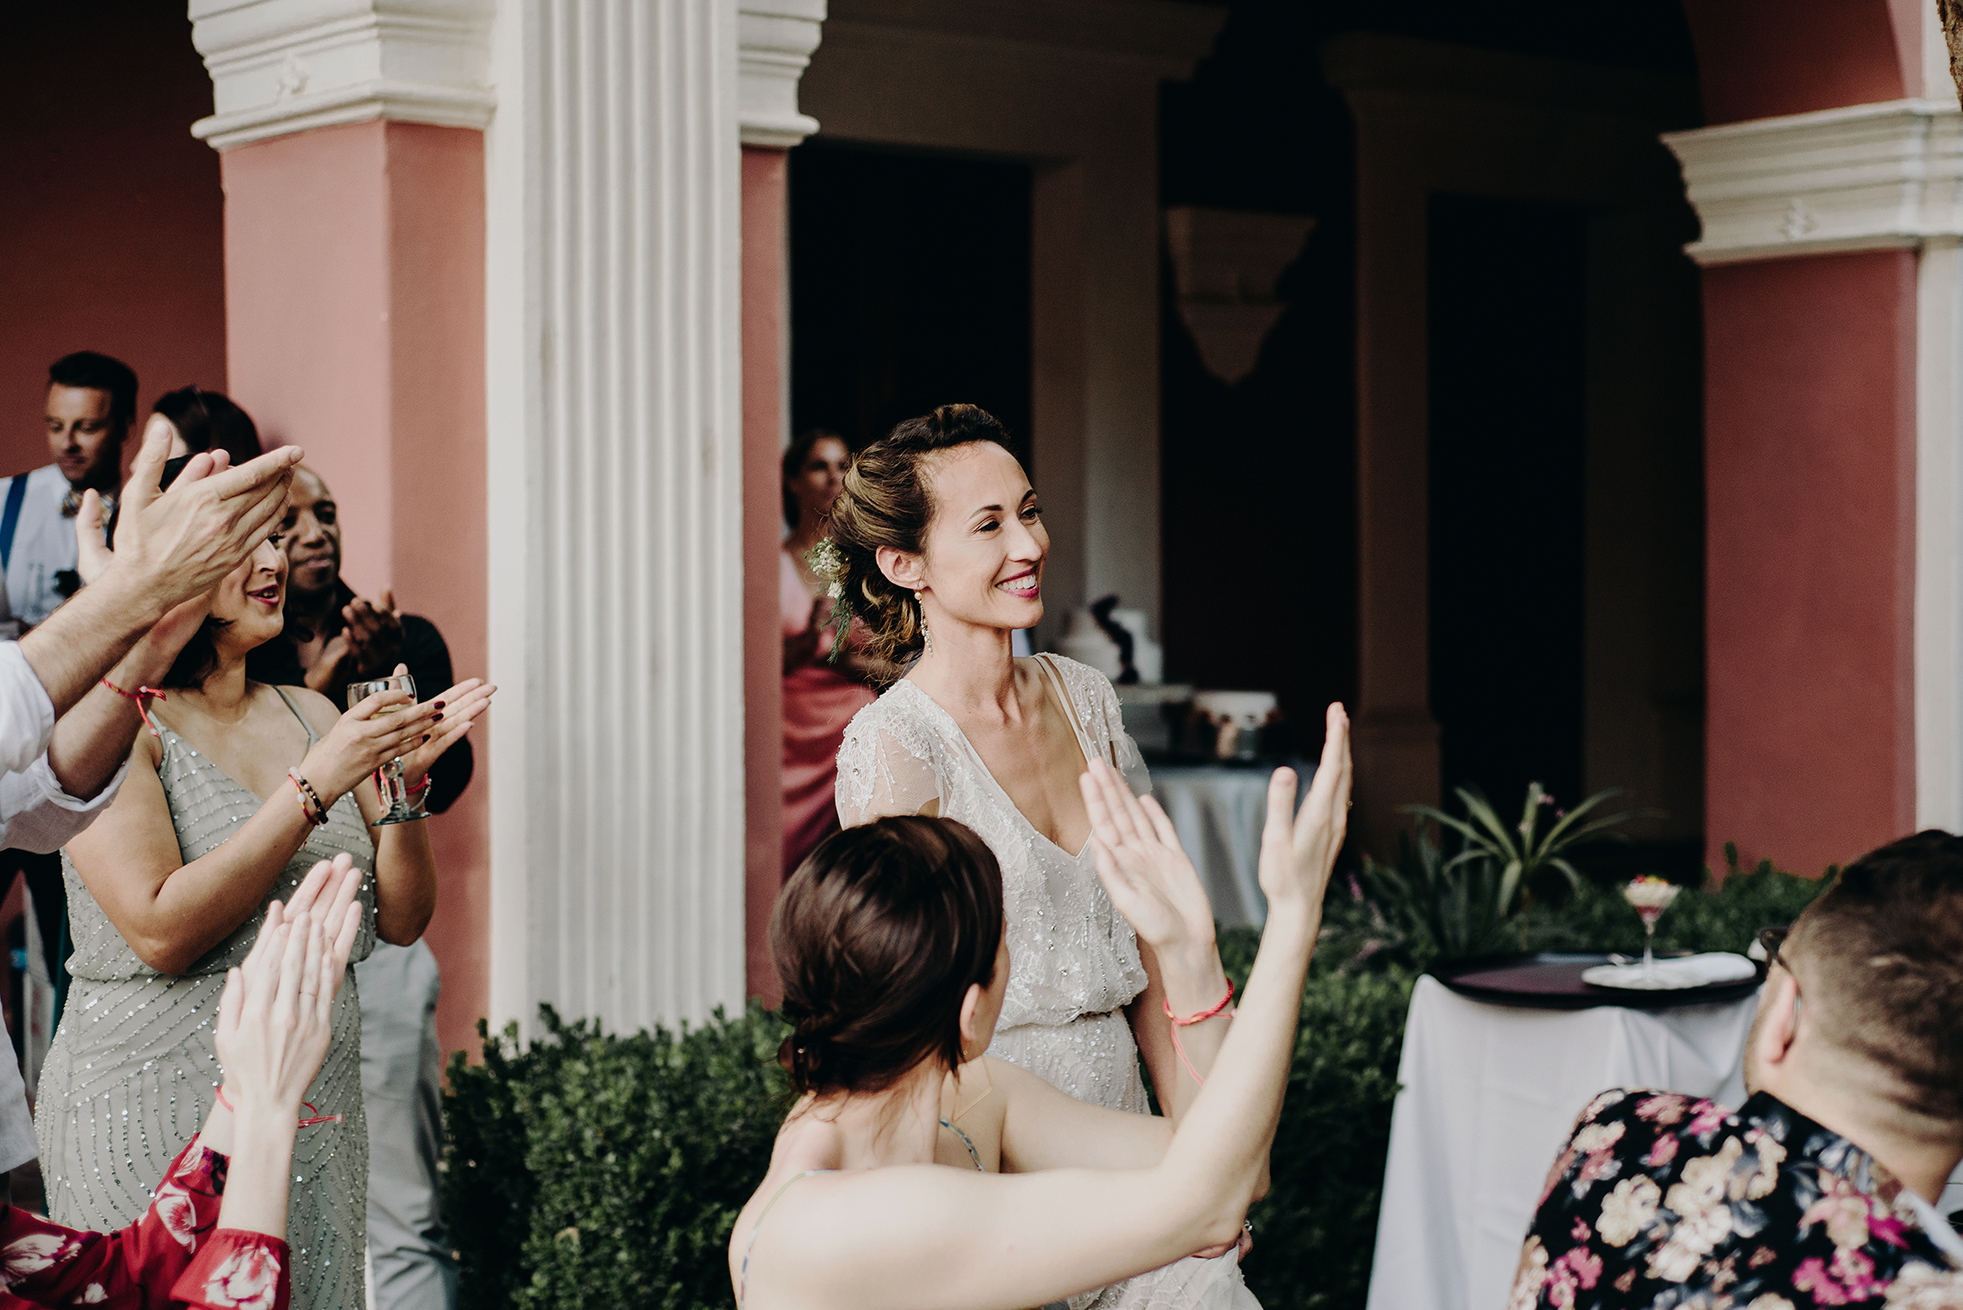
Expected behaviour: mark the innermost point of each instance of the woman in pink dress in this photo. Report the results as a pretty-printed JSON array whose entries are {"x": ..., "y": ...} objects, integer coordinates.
[{"x": 820, "y": 695}]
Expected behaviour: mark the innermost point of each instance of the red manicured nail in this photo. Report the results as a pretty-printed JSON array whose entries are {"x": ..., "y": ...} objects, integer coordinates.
[{"x": 439, "y": 705}]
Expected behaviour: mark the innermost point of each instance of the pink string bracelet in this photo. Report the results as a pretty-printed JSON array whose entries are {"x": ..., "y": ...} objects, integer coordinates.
[
  {"x": 142, "y": 696},
  {"x": 318, "y": 1117},
  {"x": 1224, "y": 1007}
]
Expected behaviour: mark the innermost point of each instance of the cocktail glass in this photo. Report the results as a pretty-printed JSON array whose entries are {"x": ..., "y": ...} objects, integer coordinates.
[{"x": 1650, "y": 896}]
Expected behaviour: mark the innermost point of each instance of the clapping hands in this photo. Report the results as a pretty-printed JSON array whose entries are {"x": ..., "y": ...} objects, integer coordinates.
[{"x": 275, "y": 1018}]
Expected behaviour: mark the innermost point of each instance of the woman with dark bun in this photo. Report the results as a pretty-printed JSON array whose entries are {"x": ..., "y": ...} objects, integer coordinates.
[
  {"x": 937, "y": 543},
  {"x": 896, "y": 968},
  {"x": 209, "y": 420}
]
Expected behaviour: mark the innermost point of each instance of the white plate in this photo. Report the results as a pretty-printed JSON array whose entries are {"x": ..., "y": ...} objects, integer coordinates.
[{"x": 1674, "y": 974}]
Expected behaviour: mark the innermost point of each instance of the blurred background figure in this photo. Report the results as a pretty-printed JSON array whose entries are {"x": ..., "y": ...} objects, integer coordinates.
[
  {"x": 209, "y": 420},
  {"x": 820, "y": 697},
  {"x": 334, "y": 637},
  {"x": 90, "y": 402}
]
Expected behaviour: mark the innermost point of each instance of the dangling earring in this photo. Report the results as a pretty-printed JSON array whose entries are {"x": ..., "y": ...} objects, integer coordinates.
[{"x": 926, "y": 634}]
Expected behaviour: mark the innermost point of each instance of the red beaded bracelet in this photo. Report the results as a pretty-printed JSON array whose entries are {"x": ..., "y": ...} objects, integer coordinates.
[
  {"x": 1178, "y": 1023},
  {"x": 310, "y": 805}
]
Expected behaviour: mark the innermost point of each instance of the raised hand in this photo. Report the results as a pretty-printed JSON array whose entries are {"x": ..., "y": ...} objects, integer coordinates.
[
  {"x": 384, "y": 727},
  {"x": 461, "y": 706},
  {"x": 1298, "y": 852},
  {"x": 1143, "y": 868},
  {"x": 92, "y": 553},
  {"x": 374, "y": 635},
  {"x": 180, "y": 542},
  {"x": 275, "y": 1018}
]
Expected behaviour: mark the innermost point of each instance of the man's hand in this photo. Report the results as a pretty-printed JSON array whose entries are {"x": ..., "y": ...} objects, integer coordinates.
[
  {"x": 374, "y": 637},
  {"x": 177, "y": 544},
  {"x": 92, "y": 553}
]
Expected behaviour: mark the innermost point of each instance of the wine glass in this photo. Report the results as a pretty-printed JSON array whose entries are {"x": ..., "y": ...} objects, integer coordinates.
[
  {"x": 1650, "y": 896},
  {"x": 404, "y": 806}
]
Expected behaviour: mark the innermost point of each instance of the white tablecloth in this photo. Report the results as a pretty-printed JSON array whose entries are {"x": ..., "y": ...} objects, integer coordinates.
[
  {"x": 1219, "y": 811},
  {"x": 1489, "y": 1094}
]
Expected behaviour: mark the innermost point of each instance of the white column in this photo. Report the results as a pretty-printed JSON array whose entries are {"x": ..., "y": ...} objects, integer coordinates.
[
  {"x": 615, "y": 509},
  {"x": 280, "y": 66},
  {"x": 1873, "y": 177},
  {"x": 775, "y": 39}
]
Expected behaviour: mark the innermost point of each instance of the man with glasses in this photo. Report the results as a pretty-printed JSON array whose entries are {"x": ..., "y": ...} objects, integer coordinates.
[{"x": 1819, "y": 1190}]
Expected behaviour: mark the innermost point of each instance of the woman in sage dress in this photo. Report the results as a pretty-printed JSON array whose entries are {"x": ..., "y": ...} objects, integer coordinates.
[
  {"x": 237, "y": 791},
  {"x": 938, "y": 544}
]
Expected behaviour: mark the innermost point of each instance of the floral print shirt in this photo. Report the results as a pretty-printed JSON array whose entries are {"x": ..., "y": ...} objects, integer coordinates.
[
  {"x": 1663, "y": 1201},
  {"x": 175, "y": 1256}
]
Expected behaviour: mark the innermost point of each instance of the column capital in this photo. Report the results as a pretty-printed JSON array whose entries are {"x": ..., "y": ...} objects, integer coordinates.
[
  {"x": 283, "y": 66},
  {"x": 1885, "y": 176},
  {"x": 775, "y": 39}
]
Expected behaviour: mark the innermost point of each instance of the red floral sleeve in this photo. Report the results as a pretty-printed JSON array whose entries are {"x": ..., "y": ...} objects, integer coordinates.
[
  {"x": 236, "y": 1270},
  {"x": 145, "y": 1266}
]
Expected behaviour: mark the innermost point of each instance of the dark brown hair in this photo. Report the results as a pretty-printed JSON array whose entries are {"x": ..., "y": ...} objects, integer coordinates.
[
  {"x": 99, "y": 372},
  {"x": 794, "y": 456},
  {"x": 886, "y": 503},
  {"x": 877, "y": 937},
  {"x": 211, "y": 420},
  {"x": 1880, "y": 955}
]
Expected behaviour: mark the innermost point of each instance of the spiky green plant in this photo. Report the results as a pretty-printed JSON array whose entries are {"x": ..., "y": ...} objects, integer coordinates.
[{"x": 1499, "y": 869}]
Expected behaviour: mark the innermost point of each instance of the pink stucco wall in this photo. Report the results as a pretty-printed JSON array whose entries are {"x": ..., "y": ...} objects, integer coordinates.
[
  {"x": 354, "y": 262},
  {"x": 1761, "y": 58},
  {"x": 1810, "y": 532},
  {"x": 765, "y": 195},
  {"x": 111, "y": 233}
]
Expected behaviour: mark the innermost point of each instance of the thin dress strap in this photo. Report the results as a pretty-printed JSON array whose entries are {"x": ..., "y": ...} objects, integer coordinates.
[
  {"x": 313, "y": 738},
  {"x": 743, "y": 1271},
  {"x": 966, "y": 1141},
  {"x": 1084, "y": 742}
]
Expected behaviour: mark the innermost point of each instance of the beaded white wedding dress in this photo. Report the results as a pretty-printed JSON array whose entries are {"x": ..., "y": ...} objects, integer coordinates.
[{"x": 1073, "y": 960}]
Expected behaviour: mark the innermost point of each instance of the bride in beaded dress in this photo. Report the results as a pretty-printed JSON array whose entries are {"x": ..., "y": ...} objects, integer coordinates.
[{"x": 937, "y": 543}]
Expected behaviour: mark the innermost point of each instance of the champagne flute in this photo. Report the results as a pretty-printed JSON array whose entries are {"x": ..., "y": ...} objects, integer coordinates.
[
  {"x": 404, "y": 806},
  {"x": 1650, "y": 896}
]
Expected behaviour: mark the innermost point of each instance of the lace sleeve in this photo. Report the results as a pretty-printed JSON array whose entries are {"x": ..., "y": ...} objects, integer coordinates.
[{"x": 885, "y": 766}]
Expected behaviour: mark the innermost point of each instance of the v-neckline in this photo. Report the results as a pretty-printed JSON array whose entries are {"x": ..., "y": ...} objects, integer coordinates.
[
  {"x": 1052, "y": 680},
  {"x": 220, "y": 769}
]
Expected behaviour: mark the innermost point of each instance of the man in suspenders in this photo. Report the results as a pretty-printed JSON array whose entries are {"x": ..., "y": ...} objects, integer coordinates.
[{"x": 91, "y": 402}]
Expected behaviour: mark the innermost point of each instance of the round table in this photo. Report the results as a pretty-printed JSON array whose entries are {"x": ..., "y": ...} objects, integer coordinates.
[{"x": 1218, "y": 810}]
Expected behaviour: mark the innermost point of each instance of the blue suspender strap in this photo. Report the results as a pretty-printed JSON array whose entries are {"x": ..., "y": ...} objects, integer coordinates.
[{"x": 10, "y": 519}]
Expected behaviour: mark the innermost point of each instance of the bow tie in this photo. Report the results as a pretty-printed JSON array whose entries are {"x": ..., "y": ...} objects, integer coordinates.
[{"x": 71, "y": 505}]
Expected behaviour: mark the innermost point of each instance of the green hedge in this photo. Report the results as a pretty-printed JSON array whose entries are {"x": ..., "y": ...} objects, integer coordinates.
[
  {"x": 597, "y": 1170},
  {"x": 590, "y": 1169}
]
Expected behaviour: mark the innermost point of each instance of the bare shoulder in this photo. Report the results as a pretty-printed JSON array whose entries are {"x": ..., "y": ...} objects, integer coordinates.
[{"x": 319, "y": 710}]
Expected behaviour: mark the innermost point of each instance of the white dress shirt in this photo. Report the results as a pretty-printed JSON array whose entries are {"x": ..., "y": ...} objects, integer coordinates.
[
  {"x": 44, "y": 545},
  {"x": 35, "y": 815}
]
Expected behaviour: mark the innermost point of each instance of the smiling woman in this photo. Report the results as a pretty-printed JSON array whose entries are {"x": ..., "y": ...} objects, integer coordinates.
[
  {"x": 238, "y": 789},
  {"x": 941, "y": 549}
]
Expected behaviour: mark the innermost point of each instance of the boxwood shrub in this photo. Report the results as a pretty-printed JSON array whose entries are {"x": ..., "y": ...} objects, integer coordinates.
[{"x": 594, "y": 1169}]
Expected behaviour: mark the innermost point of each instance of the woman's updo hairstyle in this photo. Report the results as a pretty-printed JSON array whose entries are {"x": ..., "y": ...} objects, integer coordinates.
[
  {"x": 877, "y": 937},
  {"x": 886, "y": 503}
]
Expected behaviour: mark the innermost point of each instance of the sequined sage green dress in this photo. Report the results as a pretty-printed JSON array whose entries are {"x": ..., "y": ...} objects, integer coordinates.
[{"x": 129, "y": 1078}]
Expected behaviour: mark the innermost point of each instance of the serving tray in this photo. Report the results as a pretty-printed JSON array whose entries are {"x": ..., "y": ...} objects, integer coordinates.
[{"x": 1551, "y": 980}]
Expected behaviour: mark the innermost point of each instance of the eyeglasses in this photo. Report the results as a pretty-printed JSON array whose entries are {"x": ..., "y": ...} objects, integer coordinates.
[{"x": 1770, "y": 940}]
